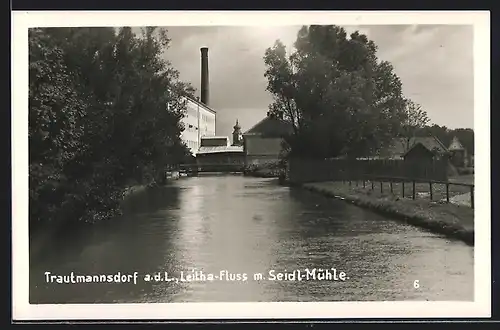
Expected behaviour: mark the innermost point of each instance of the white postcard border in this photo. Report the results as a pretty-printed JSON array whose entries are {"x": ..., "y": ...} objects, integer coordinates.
[{"x": 22, "y": 310}]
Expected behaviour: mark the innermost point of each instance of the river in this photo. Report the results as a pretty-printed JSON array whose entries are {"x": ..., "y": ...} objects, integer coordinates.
[{"x": 248, "y": 225}]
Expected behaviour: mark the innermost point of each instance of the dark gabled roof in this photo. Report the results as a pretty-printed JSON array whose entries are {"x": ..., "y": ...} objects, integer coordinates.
[
  {"x": 418, "y": 145},
  {"x": 271, "y": 126},
  {"x": 398, "y": 146}
]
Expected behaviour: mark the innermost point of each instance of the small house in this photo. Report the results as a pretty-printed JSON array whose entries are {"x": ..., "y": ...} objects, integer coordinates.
[
  {"x": 458, "y": 154},
  {"x": 419, "y": 153},
  {"x": 263, "y": 143},
  {"x": 399, "y": 147}
]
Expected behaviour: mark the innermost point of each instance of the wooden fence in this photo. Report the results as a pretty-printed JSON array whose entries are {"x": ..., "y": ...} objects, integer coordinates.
[
  {"x": 400, "y": 185},
  {"x": 305, "y": 170}
]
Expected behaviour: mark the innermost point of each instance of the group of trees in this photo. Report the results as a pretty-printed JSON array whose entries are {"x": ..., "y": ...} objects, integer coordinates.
[
  {"x": 98, "y": 118},
  {"x": 338, "y": 97}
]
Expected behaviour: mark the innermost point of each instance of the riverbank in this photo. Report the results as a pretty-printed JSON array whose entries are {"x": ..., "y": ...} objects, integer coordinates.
[
  {"x": 454, "y": 221},
  {"x": 40, "y": 238},
  {"x": 133, "y": 190},
  {"x": 265, "y": 172},
  {"x": 262, "y": 174}
]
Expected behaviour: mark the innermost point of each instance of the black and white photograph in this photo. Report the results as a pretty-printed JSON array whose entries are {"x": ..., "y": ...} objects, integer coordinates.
[{"x": 161, "y": 160}]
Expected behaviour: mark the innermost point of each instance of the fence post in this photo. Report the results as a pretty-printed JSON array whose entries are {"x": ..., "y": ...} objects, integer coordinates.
[
  {"x": 381, "y": 189},
  {"x": 403, "y": 189},
  {"x": 447, "y": 192},
  {"x": 472, "y": 196},
  {"x": 413, "y": 192},
  {"x": 430, "y": 189},
  {"x": 372, "y": 184},
  {"x": 364, "y": 183},
  {"x": 390, "y": 182}
]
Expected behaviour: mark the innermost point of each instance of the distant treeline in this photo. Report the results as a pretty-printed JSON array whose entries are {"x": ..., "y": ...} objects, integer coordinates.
[{"x": 98, "y": 119}]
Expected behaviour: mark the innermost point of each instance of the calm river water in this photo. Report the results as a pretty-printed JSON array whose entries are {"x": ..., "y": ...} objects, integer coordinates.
[{"x": 247, "y": 225}]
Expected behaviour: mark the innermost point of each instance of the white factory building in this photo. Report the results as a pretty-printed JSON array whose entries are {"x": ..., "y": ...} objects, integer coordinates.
[{"x": 199, "y": 120}]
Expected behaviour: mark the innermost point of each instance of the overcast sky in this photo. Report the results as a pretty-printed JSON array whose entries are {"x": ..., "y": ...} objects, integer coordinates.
[{"x": 434, "y": 62}]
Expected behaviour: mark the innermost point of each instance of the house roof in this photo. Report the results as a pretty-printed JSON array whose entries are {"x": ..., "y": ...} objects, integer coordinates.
[
  {"x": 263, "y": 146},
  {"x": 219, "y": 149},
  {"x": 455, "y": 144},
  {"x": 270, "y": 126},
  {"x": 418, "y": 145},
  {"x": 398, "y": 147}
]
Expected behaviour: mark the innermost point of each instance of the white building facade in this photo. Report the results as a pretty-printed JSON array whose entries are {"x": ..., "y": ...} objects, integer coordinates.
[{"x": 199, "y": 121}]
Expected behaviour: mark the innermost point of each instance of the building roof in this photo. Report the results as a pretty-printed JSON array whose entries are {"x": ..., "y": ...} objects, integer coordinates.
[
  {"x": 201, "y": 104},
  {"x": 214, "y": 137},
  {"x": 455, "y": 144},
  {"x": 220, "y": 149},
  {"x": 398, "y": 147},
  {"x": 263, "y": 146},
  {"x": 418, "y": 145},
  {"x": 214, "y": 141},
  {"x": 237, "y": 126},
  {"x": 270, "y": 126}
]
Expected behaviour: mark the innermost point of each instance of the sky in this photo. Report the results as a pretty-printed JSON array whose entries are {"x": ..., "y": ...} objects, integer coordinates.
[{"x": 434, "y": 63}]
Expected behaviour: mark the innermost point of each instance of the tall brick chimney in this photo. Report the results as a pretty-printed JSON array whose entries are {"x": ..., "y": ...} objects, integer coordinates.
[{"x": 205, "y": 99}]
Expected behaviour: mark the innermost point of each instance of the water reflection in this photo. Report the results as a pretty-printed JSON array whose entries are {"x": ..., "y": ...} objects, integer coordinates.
[{"x": 248, "y": 225}]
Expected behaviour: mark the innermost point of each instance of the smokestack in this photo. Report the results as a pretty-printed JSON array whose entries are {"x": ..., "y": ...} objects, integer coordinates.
[{"x": 204, "y": 76}]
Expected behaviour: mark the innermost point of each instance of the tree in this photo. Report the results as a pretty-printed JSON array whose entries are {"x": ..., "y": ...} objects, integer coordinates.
[
  {"x": 339, "y": 99},
  {"x": 413, "y": 119},
  {"x": 98, "y": 118}
]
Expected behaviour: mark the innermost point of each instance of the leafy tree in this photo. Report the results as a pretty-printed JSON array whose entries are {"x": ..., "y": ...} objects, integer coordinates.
[
  {"x": 339, "y": 99},
  {"x": 413, "y": 119},
  {"x": 98, "y": 118}
]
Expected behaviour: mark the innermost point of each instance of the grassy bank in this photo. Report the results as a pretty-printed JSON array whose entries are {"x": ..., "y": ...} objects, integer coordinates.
[{"x": 454, "y": 221}]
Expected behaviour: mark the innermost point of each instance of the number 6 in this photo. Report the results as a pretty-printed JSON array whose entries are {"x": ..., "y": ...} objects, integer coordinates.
[{"x": 416, "y": 285}]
